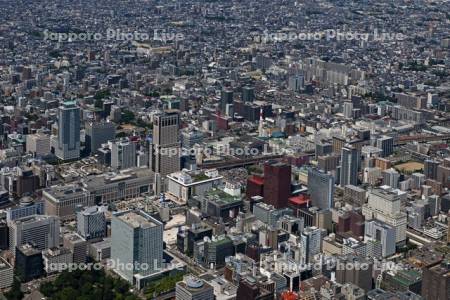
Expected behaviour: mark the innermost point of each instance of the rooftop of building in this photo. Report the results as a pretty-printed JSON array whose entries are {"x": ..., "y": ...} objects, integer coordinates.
[
  {"x": 105, "y": 243},
  {"x": 74, "y": 237},
  {"x": 137, "y": 219},
  {"x": 63, "y": 192},
  {"x": 187, "y": 178},
  {"x": 220, "y": 197},
  {"x": 96, "y": 181},
  {"x": 53, "y": 252},
  {"x": 92, "y": 210},
  {"x": 28, "y": 250},
  {"x": 194, "y": 284}
]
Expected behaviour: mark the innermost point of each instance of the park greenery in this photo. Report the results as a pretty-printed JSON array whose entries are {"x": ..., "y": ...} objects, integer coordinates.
[
  {"x": 87, "y": 285},
  {"x": 163, "y": 285}
]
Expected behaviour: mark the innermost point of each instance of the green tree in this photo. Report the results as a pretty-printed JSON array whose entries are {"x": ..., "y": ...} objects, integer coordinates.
[
  {"x": 127, "y": 116},
  {"x": 15, "y": 293}
]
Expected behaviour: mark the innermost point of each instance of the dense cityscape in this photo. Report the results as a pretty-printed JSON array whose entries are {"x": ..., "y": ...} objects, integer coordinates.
[{"x": 248, "y": 150}]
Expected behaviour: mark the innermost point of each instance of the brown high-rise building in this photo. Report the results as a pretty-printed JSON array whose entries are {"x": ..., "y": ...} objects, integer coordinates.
[
  {"x": 249, "y": 289},
  {"x": 277, "y": 183},
  {"x": 360, "y": 274},
  {"x": 436, "y": 281},
  {"x": 255, "y": 186},
  {"x": 443, "y": 173},
  {"x": 382, "y": 163},
  {"x": 27, "y": 183},
  {"x": 329, "y": 162},
  {"x": 448, "y": 232},
  {"x": 338, "y": 143},
  {"x": 165, "y": 150}
]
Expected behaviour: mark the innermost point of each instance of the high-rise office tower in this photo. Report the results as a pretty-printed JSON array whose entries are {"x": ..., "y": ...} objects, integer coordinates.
[
  {"x": 91, "y": 222},
  {"x": 98, "y": 134},
  {"x": 391, "y": 177},
  {"x": 430, "y": 168},
  {"x": 226, "y": 97},
  {"x": 379, "y": 233},
  {"x": 386, "y": 144},
  {"x": 296, "y": 83},
  {"x": 277, "y": 183},
  {"x": 123, "y": 154},
  {"x": 4, "y": 235},
  {"x": 192, "y": 288},
  {"x": 348, "y": 110},
  {"x": 28, "y": 263},
  {"x": 321, "y": 188},
  {"x": 310, "y": 243},
  {"x": 77, "y": 245},
  {"x": 68, "y": 144},
  {"x": 248, "y": 94},
  {"x": 40, "y": 231},
  {"x": 417, "y": 180},
  {"x": 137, "y": 240},
  {"x": 38, "y": 144},
  {"x": 165, "y": 149},
  {"x": 384, "y": 205},
  {"x": 349, "y": 166},
  {"x": 323, "y": 149}
]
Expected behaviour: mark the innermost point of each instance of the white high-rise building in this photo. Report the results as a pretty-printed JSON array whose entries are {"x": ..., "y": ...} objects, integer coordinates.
[
  {"x": 379, "y": 233},
  {"x": 310, "y": 243},
  {"x": 391, "y": 177},
  {"x": 348, "y": 110},
  {"x": 384, "y": 204},
  {"x": 39, "y": 230},
  {"x": 123, "y": 154},
  {"x": 38, "y": 144}
]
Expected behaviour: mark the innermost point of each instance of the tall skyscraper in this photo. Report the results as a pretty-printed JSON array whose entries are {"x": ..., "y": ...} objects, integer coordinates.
[
  {"x": 384, "y": 205},
  {"x": 137, "y": 240},
  {"x": 296, "y": 83},
  {"x": 323, "y": 149},
  {"x": 123, "y": 154},
  {"x": 391, "y": 177},
  {"x": 165, "y": 156},
  {"x": 430, "y": 169},
  {"x": 348, "y": 110},
  {"x": 386, "y": 144},
  {"x": 377, "y": 232},
  {"x": 349, "y": 166},
  {"x": 98, "y": 134},
  {"x": 226, "y": 97},
  {"x": 68, "y": 144},
  {"x": 248, "y": 94},
  {"x": 277, "y": 183},
  {"x": 321, "y": 188},
  {"x": 310, "y": 243}
]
